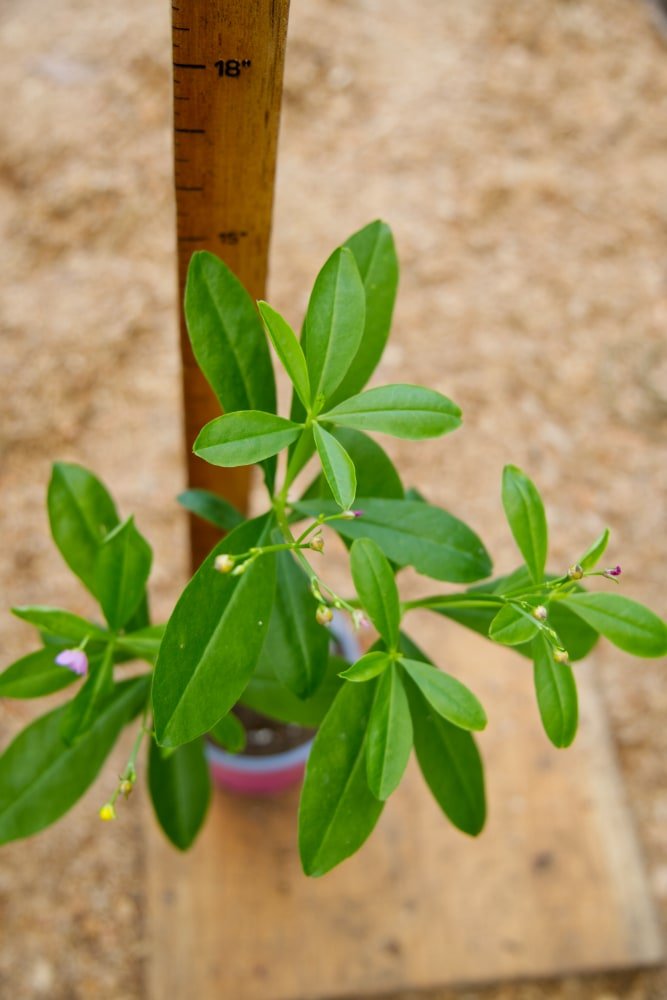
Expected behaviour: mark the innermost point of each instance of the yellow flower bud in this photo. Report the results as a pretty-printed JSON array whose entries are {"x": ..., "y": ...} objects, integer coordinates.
[
  {"x": 324, "y": 615},
  {"x": 107, "y": 812},
  {"x": 561, "y": 655},
  {"x": 125, "y": 788},
  {"x": 317, "y": 544},
  {"x": 224, "y": 563},
  {"x": 575, "y": 572}
]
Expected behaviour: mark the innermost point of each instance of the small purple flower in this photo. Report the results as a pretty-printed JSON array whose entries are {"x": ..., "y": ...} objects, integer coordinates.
[
  {"x": 75, "y": 660},
  {"x": 358, "y": 513},
  {"x": 612, "y": 572}
]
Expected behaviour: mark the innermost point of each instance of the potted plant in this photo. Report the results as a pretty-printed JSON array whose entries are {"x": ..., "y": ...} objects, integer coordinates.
[{"x": 250, "y": 633}]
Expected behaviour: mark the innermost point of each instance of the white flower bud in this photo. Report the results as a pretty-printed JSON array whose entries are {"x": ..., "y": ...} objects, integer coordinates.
[
  {"x": 324, "y": 615},
  {"x": 224, "y": 563}
]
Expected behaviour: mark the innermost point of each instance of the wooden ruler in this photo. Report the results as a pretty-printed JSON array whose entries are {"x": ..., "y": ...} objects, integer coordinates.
[{"x": 228, "y": 58}]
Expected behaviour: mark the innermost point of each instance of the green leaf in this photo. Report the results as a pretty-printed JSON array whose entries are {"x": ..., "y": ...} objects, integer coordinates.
[
  {"x": 144, "y": 644},
  {"x": 512, "y": 627},
  {"x": 334, "y": 322},
  {"x": 525, "y": 515},
  {"x": 375, "y": 254},
  {"x": 180, "y": 788},
  {"x": 389, "y": 738},
  {"x": 338, "y": 811},
  {"x": 411, "y": 533},
  {"x": 35, "y": 675},
  {"x": 230, "y": 734},
  {"x": 212, "y": 508},
  {"x": 228, "y": 340},
  {"x": 89, "y": 699},
  {"x": 41, "y": 777},
  {"x": 244, "y": 438},
  {"x": 375, "y": 584},
  {"x": 448, "y": 697},
  {"x": 406, "y": 411},
  {"x": 61, "y": 623},
  {"x": 556, "y": 692},
  {"x": 266, "y": 694},
  {"x": 629, "y": 625},
  {"x": 592, "y": 555},
  {"x": 451, "y": 765},
  {"x": 376, "y": 475},
  {"x": 296, "y": 646},
  {"x": 81, "y": 514},
  {"x": 288, "y": 349},
  {"x": 213, "y": 640},
  {"x": 337, "y": 466},
  {"x": 227, "y": 336},
  {"x": 368, "y": 666},
  {"x": 122, "y": 568}
]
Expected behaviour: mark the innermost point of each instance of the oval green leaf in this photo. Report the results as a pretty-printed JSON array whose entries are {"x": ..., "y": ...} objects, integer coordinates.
[
  {"x": 629, "y": 625},
  {"x": 180, "y": 788},
  {"x": 512, "y": 627},
  {"x": 334, "y": 322},
  {"x": 375, "y": 584},
  {"x": 337, "y": 810},
  {"x": 451, "y": 765},
  {"x": 61, "y": 623},
  {"x": 556, "y": 691},
  {"x": 244, "y": 438},
  {"x": 368, "y": 666},
  {"x": 525, "y": 515},
  {"x": 337, "y": 467},
  {"x": 448, "y": 697},
  {"x": 213, "y": 640},
  {"x": 389, "y": 738},
  {"x": 288, "y": 349},
  {"x": 416, "y": 534},
  {"x": 122, "y": 567},
  {"x": 81, "y": 514},
  {"x": 35, "y": 675},
  {"x": 212, "y": 508},
  {"x": 406, "y": 411}
]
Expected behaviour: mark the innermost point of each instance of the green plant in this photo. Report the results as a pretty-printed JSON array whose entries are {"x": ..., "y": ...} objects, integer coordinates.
[{"x": 250, "y": 626}]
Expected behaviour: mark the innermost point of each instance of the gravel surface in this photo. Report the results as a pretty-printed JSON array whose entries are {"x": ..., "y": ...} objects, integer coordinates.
[{"x": 519, "y": 152}]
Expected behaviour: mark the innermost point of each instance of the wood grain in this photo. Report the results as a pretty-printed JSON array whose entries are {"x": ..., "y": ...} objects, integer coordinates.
[
  {"x": 226, "y": 119},
  {"x": 554, "y": 885}
]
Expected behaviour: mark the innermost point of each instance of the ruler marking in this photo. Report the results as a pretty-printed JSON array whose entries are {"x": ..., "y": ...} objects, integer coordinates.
[
  {"x": 190, "y": 65},
  {"x": 182, "y": 187},
  {"x": 192, "y": 239},
  {"x": 181, "y": 98},
  {"x": 177, "y": 27},
  {"x": 192, "y": 131}
]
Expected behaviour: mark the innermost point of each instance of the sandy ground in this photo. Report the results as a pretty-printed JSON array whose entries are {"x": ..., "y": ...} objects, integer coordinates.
[{"x": 519, "y": 152}]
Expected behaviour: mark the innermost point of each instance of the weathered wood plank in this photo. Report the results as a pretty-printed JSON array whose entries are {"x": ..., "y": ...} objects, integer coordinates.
[{"x": 555, "y": 884}]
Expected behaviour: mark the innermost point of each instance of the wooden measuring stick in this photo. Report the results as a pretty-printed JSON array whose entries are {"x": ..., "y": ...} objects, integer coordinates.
[{"x": 228, "y": 58}]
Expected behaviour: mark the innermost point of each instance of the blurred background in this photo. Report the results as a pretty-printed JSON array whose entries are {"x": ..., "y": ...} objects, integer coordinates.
[{"x": 519, "y": 152}]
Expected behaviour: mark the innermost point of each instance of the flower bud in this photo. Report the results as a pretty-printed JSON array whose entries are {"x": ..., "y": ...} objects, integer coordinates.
[
  {"x": 107, "y": 812},
  {"x": 224, "y": 563},
  {"x": 575, "y": 572},
  {"x": 125, "y": 788},
  {"x": 324, "y": 615},
  {"x": 349, "y": 515},
  {"x": 359, "y": 619},
  {"x": 75, "y": 660},
  {"x": 561, "y": 655},
  {"x": 540, "y": 612},
  {"x": 612, "y": 572},
  {"x": 240, "y": 569},
  {"x": 317, "y": 544}
]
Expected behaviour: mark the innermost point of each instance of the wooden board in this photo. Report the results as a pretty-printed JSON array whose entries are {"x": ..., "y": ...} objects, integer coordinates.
[
  {"x": 554, "y": 885},
  {"x": 228, "y": 59}
]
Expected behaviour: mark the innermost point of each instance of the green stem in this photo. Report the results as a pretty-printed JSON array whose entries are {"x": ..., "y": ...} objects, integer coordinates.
[{"x": 455, "y": 601}]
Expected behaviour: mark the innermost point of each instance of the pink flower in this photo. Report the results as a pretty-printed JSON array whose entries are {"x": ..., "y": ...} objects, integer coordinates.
[
  {"x": 612, "y": 572},
  {"x": 75, "y": 660}
]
